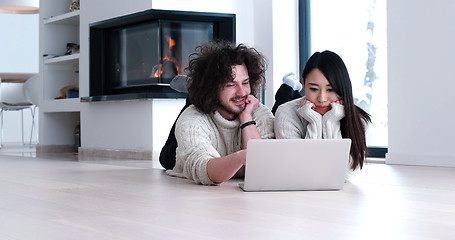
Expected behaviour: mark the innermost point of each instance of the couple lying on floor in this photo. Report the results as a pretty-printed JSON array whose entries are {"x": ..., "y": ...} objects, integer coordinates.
[{"x": 207, "y": 143}]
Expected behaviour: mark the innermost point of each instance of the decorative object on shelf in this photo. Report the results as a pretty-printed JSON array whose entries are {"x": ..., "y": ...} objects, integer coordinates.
[
  {"x": 72, "y": 93},
  {"x": 20, "y": 6},
  {"x": 64, "y": 92},
  {"x": 49, "y": 56},
  {"x": 77, "y": 136},
  {"x": 72, "y": 48},
  {"x": 74, "y": 5}
]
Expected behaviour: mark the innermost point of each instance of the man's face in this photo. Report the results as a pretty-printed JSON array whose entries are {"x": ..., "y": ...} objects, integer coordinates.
[{"x": 232, "y": 95}]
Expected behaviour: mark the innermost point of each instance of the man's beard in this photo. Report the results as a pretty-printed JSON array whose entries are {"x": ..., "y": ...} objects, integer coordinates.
[{"x": 233, "y": 109}]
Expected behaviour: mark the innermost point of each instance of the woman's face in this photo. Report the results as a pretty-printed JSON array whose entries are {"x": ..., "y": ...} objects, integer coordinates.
[{"x": 319, "y": 91}]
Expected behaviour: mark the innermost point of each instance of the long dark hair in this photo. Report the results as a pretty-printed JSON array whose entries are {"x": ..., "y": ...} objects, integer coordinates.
[
  {"x": 353, "y": 124},
  {"x": 210, "y": 67}
]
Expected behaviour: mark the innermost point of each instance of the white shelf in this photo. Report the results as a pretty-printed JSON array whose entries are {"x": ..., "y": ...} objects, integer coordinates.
[
  {"x": 71, "y": 18},
  {"x": 61, "y": 105},
  {"x": 58, "y": 27},
  {"x": 63, "y": 59}
]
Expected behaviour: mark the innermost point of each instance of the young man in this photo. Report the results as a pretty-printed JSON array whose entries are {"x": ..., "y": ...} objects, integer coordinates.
[{"x": 213, "y": 132}]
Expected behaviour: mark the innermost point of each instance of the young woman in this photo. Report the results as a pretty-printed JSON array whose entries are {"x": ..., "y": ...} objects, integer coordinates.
[{"x": 327, "y": 110}]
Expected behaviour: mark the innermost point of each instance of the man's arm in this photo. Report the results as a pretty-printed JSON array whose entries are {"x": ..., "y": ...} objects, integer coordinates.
[
  {"x": 250, "y": 131},
  {"x": 223, "y": 168}
]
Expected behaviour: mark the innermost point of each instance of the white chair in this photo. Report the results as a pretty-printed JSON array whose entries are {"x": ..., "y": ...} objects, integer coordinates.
[
  {"x": 31, "y": 93},
  {"x": 12, "y": 98}
]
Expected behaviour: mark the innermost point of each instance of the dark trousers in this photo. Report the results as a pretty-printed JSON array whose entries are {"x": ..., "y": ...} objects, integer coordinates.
[
  {"x": 167, "y": 154},
  {"x": 283, "y": 95}
]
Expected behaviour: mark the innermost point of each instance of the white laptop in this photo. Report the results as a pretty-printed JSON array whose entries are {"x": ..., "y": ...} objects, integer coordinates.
[{"x": 296, "y": 164}]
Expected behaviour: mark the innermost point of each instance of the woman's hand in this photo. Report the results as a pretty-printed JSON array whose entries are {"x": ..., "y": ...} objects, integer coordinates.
[
  {"x": 314, "y": 119},
  {"x": 336, "y": 113},
  {"x": 339, "y": 102},
  {"x": 306, "y": 101},
  {"x": 331, "y": 121}
]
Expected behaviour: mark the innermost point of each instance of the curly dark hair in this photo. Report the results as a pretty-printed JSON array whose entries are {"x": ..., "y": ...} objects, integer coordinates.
[{"x": 210, "y": 67}]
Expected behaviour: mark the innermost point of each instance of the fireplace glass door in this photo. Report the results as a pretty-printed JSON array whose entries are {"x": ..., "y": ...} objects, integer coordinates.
[{"x": 151, "y": 53}]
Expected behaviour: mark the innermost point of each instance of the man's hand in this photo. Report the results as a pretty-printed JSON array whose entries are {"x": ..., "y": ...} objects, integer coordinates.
[
  {"x": 251, "y": 104},
  {"x": 249, "y": 132},
  {"x": 223, "y": 168}
]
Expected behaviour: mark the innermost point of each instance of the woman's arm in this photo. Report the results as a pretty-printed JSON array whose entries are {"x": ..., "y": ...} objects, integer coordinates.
[
  {"x": 314, "y": 127},
  {"x": 288, "y": 124},
  {"x": 331, "y": 122}
]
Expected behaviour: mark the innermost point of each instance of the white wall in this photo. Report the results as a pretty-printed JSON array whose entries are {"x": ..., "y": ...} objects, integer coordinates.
[
  {"x": 18, "y": 53},
  {"x": 285, "y": 43},
  {"x": 145, "y": 124},
  {"x": 276, "y": 36},
  {"x": 19, "y": 42},
  {"x": 421, "y": 37}
]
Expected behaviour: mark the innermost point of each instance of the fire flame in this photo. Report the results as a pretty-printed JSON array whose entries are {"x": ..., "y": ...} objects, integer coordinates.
[
  {"x": 170, "y": 41},
  {"x": 171, "y": 44}
]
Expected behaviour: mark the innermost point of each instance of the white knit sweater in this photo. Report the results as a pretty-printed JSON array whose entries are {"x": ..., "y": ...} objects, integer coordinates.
[
  {"x": 201, "y": 137},
  {"x": 293, "y": 121}
]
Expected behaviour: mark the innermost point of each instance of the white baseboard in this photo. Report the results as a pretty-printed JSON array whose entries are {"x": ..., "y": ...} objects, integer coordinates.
[
  {"x": 420, "y": 159},
  {"x": 114, "y": 153}
]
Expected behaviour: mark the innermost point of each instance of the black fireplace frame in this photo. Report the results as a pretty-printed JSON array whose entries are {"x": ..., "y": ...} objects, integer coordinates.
[{"x": 224, "y": 28}]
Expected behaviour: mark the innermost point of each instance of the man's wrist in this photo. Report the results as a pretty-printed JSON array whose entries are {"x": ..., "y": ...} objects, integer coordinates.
[
  {"x": 246, "y": 124},
  {"x": 245, "y": 117}
]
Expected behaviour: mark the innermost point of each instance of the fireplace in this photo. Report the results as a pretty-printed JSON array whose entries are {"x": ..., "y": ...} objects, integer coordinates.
[{"x": 136, "y": 56}]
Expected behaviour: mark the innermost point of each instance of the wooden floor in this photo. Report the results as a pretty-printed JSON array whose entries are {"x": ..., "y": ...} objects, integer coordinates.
[{"x": 59, "y": 197}]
